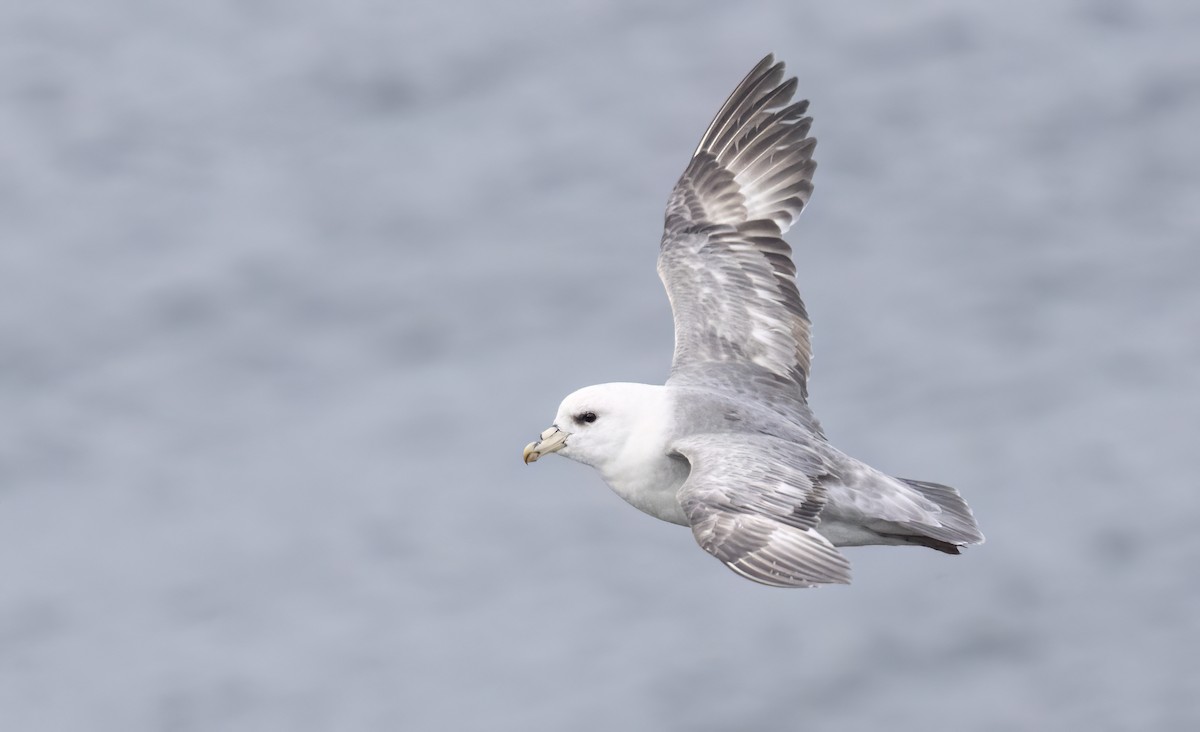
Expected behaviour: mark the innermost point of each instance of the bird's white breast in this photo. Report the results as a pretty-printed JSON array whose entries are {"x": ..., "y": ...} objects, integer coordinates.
[
  {"x": 649, "y": 481},
  {"x": 641, "y": 472}
]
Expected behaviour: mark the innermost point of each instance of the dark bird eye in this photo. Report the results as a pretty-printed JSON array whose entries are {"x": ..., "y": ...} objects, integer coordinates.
[{"x": 588, "y": 417}]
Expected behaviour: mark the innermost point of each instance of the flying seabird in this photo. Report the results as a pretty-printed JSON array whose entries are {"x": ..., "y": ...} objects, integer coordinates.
[{"x": 729, "y": 446}]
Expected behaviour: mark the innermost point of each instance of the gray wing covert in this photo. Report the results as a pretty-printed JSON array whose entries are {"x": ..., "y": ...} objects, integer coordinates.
[
  {"x": 753, "y": 502},
  {"x": 727, "y": 271}
]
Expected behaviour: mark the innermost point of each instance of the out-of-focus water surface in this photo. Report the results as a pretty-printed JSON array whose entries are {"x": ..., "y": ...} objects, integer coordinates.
[{"x": 286, "y": 287}]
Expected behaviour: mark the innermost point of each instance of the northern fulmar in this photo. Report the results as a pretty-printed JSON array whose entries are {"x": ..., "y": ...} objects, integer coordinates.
[{"x": 729, "y": 446}]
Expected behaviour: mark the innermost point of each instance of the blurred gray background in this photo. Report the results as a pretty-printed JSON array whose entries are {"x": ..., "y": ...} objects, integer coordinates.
[{"x": 286, "y": 286}]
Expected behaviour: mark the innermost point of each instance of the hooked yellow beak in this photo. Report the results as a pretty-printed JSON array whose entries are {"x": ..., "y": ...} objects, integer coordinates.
[{"x": 552, "y": 440}]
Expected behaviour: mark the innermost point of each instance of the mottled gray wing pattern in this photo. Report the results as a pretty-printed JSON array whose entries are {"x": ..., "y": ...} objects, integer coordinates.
[
  {"x": 753, "y": 502},
  {"x": 726, "y": 269}
]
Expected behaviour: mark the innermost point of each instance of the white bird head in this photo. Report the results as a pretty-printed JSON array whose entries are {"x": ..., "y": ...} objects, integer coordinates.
[{"x": 594, "y": 424}]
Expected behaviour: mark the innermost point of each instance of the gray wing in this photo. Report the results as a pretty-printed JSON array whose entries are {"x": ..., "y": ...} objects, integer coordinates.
[
  {"x": 726, "y": 269},
  {"x": 753, "y": 502}
]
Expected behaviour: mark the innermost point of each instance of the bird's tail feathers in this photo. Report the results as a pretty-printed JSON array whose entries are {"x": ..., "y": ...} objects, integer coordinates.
[{"x": 957, "y": 525}]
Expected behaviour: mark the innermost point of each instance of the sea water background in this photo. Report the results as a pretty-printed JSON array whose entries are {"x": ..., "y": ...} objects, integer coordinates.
[{"x": 286, "y": 286}]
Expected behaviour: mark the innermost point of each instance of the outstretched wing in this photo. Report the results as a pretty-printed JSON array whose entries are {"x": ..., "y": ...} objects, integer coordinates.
[
  {"x": 727, "y": 271},
  {"x": 753, "y": 503}
]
